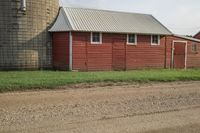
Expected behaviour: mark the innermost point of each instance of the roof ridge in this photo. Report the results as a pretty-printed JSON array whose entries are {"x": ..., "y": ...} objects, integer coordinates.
[
  {"x": 91, "y": 20},
  {"x": 161, "y": 24},
  {"x": 113, "y": 11},
  {"x": 68, "y": 18}
]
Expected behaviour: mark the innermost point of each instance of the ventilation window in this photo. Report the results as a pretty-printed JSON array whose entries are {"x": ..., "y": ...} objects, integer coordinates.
[
  {"x": 155, "y": 40},
  {"x": 194, "y": 47},
  {"x": 96, "y": 38},
  {"x": 132, "y": 39}
]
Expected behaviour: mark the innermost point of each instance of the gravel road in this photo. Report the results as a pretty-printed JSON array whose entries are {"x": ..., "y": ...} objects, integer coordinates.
[{"x": 104, "y": 108}]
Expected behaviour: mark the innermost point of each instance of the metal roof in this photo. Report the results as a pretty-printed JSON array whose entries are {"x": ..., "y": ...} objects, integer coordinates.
[
  {"x": 187, "y": 38},
  {"x": 93, "y": 20}
]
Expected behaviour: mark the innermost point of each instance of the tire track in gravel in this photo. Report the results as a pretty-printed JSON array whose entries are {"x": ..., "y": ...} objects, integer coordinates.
[{"x": 65, "y": 109}]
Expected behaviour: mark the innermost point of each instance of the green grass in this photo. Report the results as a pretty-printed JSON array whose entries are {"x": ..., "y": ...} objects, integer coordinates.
[{"x": 25, "y": 80}]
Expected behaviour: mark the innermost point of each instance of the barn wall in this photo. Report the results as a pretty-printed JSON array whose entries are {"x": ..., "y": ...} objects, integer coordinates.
[
  {"x": 61, "y": 51},
  {"x": 79, "y": 51},
  {"x": 88, "y": 56},
  {"x": 193, "y": 58},
  {"x": 145, "y": 55},
  {"x": 100, "y": 56},
  {"x": 91, "y": 57},
  {"x": 168, "y": 51}
]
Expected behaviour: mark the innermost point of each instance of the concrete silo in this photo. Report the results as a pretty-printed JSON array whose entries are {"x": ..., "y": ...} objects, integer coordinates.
[{"x": 24, "y": 39}]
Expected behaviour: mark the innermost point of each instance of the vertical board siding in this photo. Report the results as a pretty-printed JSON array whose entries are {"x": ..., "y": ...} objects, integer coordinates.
[
  {"x": 179, "y": 55},
  {"x": 61, "y": 51}
]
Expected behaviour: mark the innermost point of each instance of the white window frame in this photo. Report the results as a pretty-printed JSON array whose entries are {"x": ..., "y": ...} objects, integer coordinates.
[
  {"x": 155, "y": 44},
  {"x": 196, "y": 46},
  {"x": 127, "y": 41},
  {"x": 91, "y": 38}
]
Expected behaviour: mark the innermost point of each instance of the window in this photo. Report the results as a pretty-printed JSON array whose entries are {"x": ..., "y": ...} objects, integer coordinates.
[
  {"x": 132, "y": 39},
  {"x": 155, "y": 40},
  {"x": 194, "y": 47},
  {"x": 96, "y": 38}
]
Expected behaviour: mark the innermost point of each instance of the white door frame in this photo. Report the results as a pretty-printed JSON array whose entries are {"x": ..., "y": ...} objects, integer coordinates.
[{"x": 173, "y": 44}]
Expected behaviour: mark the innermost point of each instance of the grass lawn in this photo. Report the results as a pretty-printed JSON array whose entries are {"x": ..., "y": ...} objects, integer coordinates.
[{"x": 23, "y": 80}]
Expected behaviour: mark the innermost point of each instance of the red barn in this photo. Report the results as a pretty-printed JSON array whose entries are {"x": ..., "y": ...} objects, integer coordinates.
[
  {"x": 93, "y": 40},
  {"x": 197, "y": 36},
  {"x": 185, "y": 51}
]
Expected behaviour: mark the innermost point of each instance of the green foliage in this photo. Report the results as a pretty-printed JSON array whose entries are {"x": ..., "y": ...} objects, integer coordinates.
[{"x": 26, "y": 80}]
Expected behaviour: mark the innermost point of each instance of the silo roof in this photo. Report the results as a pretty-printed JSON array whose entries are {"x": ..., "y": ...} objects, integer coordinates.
[{"x": 93, "y": 20}]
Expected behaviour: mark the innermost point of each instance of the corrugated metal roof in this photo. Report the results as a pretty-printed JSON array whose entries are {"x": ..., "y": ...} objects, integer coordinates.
[
  {"x": 187, "y": 38},
  {"x": 62, "y": 23},
  {"x": 92, "y": 20}
]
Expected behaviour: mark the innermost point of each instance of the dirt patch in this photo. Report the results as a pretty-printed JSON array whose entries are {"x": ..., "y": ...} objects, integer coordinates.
[
  {"x": 192, "y": 128},
  {"x": 72, "y": 108}
]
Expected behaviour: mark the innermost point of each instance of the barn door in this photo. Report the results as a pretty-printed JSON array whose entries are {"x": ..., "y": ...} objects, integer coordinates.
[
  {"x": 119, "y": 54},
  {"x": 179, "y": 61},
  {"x": 80, "y": 52}
]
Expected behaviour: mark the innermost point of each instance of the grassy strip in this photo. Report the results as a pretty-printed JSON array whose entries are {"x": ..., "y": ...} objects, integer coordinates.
[{"x": 24, "y": 80}]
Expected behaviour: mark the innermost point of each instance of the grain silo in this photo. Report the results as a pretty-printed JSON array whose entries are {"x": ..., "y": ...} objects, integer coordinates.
[{"x": 24, "y": 39}]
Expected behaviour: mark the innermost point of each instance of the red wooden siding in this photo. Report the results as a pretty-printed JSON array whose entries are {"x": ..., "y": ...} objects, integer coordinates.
[
  {"x": 179, "y": 55},
  {"x": 93, "y": 57},
  {"x": 114, "y": 53},
  {"x": 79, "y": 48},
  {"x": 168, "y": 52},
  {"x": 145, "y": 55},
  {"x": 119, "y": 54},
  {"x": 193, "y": 58},
  {"x": 100, "y": 55},
  {"x": 61, "y": 51}
]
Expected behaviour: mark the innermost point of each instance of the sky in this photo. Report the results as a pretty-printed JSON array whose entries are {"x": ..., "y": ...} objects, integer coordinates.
[{"x": 179, "y": 16}]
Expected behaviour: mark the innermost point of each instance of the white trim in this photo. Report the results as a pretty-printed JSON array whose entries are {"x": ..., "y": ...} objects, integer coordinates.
[
  {"x": 186, "y": 52},
  {"x": 70, "y": 52},
  {"x": 172, "y": 59},
  {"x": 155, "y": 44},
  {"x": 196, "y": 45},
  {"x": 127, "y": 39},
  {"x": 91, "y": 38}
]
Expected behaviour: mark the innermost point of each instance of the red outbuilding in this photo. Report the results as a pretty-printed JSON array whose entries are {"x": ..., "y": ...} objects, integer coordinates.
[
  {"x": 94, "y": 40},
  {"x": 185, "y": 51},
  {"x": 197, "y": 36}
]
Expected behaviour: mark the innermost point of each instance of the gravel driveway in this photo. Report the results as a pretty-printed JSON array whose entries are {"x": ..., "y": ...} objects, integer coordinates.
[{"x": 99, "y": 108}]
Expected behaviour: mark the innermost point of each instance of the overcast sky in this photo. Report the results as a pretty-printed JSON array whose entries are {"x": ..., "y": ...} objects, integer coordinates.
[{"x": 180, "y": 16}]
